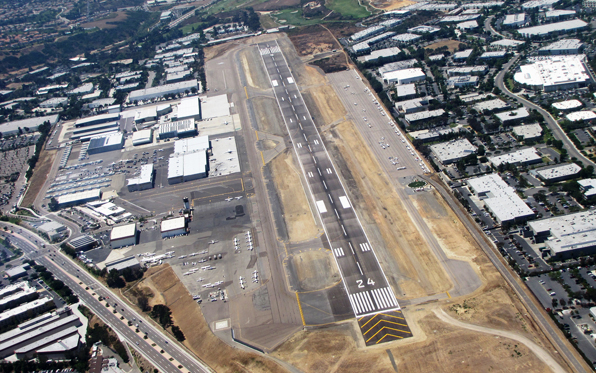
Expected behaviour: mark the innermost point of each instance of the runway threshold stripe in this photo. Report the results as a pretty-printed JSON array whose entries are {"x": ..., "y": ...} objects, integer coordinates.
[
  {"x": 376, "y": 298},
  {"x": 356, "y": 303},
  {"x": 364, "y": 303},
  {"x": 372, "y": 305},
  {"x": 384, "y": 300},
  {"x": 392, "y": 299}
]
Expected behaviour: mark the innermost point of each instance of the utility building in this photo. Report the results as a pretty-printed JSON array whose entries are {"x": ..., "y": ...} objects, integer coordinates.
[{"x": 124, "y": 235}]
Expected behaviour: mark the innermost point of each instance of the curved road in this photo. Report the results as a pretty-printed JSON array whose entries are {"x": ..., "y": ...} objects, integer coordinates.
[
  {"x": 537, "y": 350},
  {"x": 552, "y": 124},
  {"x": 66, "y": 271}
]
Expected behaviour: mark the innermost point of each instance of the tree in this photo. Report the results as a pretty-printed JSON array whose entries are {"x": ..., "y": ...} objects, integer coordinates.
[
  {"x": 555, "y": 302},
  {"x": 143, "y": 303},
  {"x": 178, "y": 333},
  {"x": 53, "y": 205},
  {"x": 114, "y": 280},
  {"x": 162, "y": 314},
  {"x": 562, "y": 302}
]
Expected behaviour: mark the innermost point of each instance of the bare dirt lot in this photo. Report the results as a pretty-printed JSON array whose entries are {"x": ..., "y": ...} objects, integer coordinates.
[
  {"x": 313, "y": 39},
  {"x": 297, "y": 214},
  {"x": 108, "y": 22},
  {"x": 187, "y": 314},
  {"x": 452, "y": 45},
  {"x": 40, "y": 174},
  {"x": 332, "y": 64},
  {"x": 390, "y": 4},
  {"x": 315, "y": 270}
]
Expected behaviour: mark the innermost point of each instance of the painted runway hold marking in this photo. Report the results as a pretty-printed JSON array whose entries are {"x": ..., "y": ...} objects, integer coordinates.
[
  {"x": 338, "y": 252},
  {"x": 365, "y": 247}
]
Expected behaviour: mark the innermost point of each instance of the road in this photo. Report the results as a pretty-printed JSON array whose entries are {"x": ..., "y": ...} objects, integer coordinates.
[
  {"x": 365, "y": 281},
  {"x": 543, "y": 321},
  {"x": 488, "y": 27},
  {"x": 25, "y": 240},
  {"x": 552, "y": 124}
]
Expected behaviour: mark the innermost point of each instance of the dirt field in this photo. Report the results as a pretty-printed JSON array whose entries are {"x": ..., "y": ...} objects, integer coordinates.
[
  {"x": 332, "y": 64},
  {"x": 187, "y": 314},
  {"x": 315, "y": 270},
  {"x": 451, "y": 44},
  {"x": 390, "y": 4},
  {"x": 107, "y": 23},
  {"x": 313, "y": 39},
  {"x": 297, "y": 214},
  {"x": 46, "y": 159},
  {"x": 329, "y": 107}
]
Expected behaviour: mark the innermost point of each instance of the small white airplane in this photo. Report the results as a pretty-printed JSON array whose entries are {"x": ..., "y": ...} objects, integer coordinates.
[
  {"x": 210, "y": 268},
  {"x": 195, "y": 297},
  {"x": 202, "y": 260},
  {"x": 230, "y": 151},
  {"x": 200, "y": 279},
  {"x": 229, "y": 199},
  {"x": 206, "y": 251},
  {"x": 218, "y": 283},
  {"x": 239, "y": 197},
  {"x": 208, "y": 286}
]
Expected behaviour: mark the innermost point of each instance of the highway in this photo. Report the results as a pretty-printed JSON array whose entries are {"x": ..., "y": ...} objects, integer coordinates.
[
  {"x": 61, "y": 266},
  {"x": 366, "y": 284}
]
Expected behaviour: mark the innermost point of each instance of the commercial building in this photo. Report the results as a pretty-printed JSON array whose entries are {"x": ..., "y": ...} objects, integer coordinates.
[
  {"x": 567, "y": 236},
  {"x": 513, "y": 115},
  {"x": 468, "y": 70},
  {"x": 81, "y": 90},
  {"x": 161, "y": 91},
  {"x": 528, "y": 132},
  {"x": 361, "y": 48},
  {"x": 405, "y": 76},
  {"x": 405, "y": 91},
  {"x": 367, "y": 33},
  {"x": 189, "y": 108},
  {"x": 17, "y": 271},
  {"x": 434, "y": 133},
  {"x": 26, "y": 125},
  {"x": 106, "y": 143},
  {"x": 493, "y": 54},
  {"x": 424, "y": 29},
  {"x": 406, "y": 38},
  {"x": 588, "y": 188},
  {"x": 463, "y": 81},
  {"x": 130, "y": 262},
  {"x": 462, "y": 55},
  {"x": 379, "y": 38},
  {"x": 398, "y": 65},
  {"x": 26, "y": 310},
  {"x": 192, "y": 145},
  {"x": 143, "y": 181},
  {"x": 563, "y": 46},
  {"x": 382, "y": 53},
  {"x": 95, "y": 129},
  {"x": 16, "y": 294},
  {"x": 500, "y": 199},
  {"x": 526, "y": 156},
  {"x": 584, "y": 115},
  {"x": 142, "y": 137},
  {"x": 568, "y": 105},
  {"x": 468, "y": 25},
  {"x": 490, "y": 105},
  {"x": 460, "y": 18},
  {"x": 411, "y": 106},
  {"x": 97, "y": 119},
  {"x": 557, "y": 173},
  {"x": 181, "y": 128},
  {"x": 78, "y": 198},
  {"x": 146, "y": 114},
  {"x": 214, "y": 107},
  {"x": 559, "y": 14},
  {"x": 173, "y": 227},
  {"x": 82, "y": 243},
  {"x": 506, "y": 43},
  {"x": 414, "y": 118},
  {"x": 515, "y": 20},
  {"x": 452, "y": 151},
  {"x": 541, "y": 4},
  {"x": 53, "y": 230},
  {"x": 54, "y": 102},
  {"x": 123, "y": 235},
  {"x": 555, "y": 73},
  {"x": 553, "y": 28}
]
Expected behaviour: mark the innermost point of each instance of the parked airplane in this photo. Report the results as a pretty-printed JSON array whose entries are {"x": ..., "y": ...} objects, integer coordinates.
[
  {"x": 229, "y": 199},
  {"x": 239, "y": 197},
  {"x": 200, "y": 279}
]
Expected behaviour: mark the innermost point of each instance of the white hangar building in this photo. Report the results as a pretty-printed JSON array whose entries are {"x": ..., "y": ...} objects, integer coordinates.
[
  {"x": 173, "y": 227},
  {"x": 123, "y": 235}
]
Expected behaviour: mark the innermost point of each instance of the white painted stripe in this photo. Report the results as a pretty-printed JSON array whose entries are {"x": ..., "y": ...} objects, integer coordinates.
[
  {"x": 345, "y": 234},
  {"x": 318, "y": 169},
  {"x": 324, "y": 184},
  {"x": 356, "y": 303},
  {"x": 344, "y": 202},
  {"x": 303, "y": 117},
  {"x": 337, "y": 215},
  {"x": 305, "y": 139},
  {"x": 299, "y": 125},
  {"x": 316, "y": 142},
  {"x": 299, "y": 145},
  {"x": 352, "y": 303},
  {"x": 376, "y": 297},
  {"x": 363, "y": 300},
  {"x": 360, "y": 302},
  {"x": 321, "y": 207},
  {"x": 331, "y": 199},
  {"x": 385, "y": 300},
  {"x": 310, "y": 174},
  {"x": 367, "y": 295},
  {"x": 351, "y": 248},
  {"x": 313, "y": 158},
  {"x": 360, "y": 269},
  {"x": 393, "y": 297},
  {"x": 329, "y": 171},
  {"x": 390, "y": 296},
  {"x": 309, "y": 149},
  {"x": 291, "y": 121}
]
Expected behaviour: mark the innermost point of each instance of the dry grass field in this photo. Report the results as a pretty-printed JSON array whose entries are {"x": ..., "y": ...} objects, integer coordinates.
[
  {"x": 106, "y": 23},
  {"x": 45, "y": 162},
  {"x": 452, "y": 45}
]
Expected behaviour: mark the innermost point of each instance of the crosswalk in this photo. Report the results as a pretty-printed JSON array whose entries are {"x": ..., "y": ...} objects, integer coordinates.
[
  {"x": 270, "y": 50},
  {"x": 339, "y": 252},
  {"x": 373, "y": 300},
  {"x": 365, "y": 247}
]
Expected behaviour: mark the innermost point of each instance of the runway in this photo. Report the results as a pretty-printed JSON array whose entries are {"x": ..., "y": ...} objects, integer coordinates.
[{"x": 366, "y": 285}]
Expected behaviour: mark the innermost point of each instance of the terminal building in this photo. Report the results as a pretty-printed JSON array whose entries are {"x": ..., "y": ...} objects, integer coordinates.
[
  {"x": 106, "y": 143},
  {"x": 452, "y": 151},
  {"x": 525, "y": 157},
  {"x": 566, "y": 236},
  {"x": 557, "y": 173},
  {"x": 173, "y": 227},
  {"x": 143, "y": 181},
  {"x": 123, "y": 235},
  {"x": 528, "y": 132},
  {"x": 554, "y": 73},
  {"x": 500, "y": 199}
]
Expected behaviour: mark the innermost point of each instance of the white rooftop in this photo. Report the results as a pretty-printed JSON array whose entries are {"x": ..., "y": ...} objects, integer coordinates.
[
  {"x": 568, "y": 232},
  {"x": 514, "y": 19},
  {"x": 463, "y": 54},
  {"x": 386, "y": 52},
  {"x": 527, "y": 155},
  {"x": 588, "y": 186},
  {"x": 467, "y": 25},
  {"x": 570, "y": 25},
  {"x": 424, "y": 115},
  {"x": 405, "y": 38},
  {"x": 493, "y": 54},
  {"x": 173, "y": 224},
  {"x": 189, "y": 107},
  {"x": 502, "y": 200},
  {"x": 563, "y": 45},
  {"x": 528, "y": 131},
  {"x": 123, "y": 231},
  {"x": 566, "y": 105},
  {"x": 405, "y": 90},
  {"x": 519, "y": 113},
  {"x": 191, "y": 145},
  {"x": 563, "y": 170},
  {"x": 79, "y": 196},
  {"x": 581, "y": 115},
  {"x": 490, "y": 105},
  {"x": 559, "y": 12},
  {"x": 538, "y": 4},
  {"x": 552, "y": 71},
  {"x": 215, "y": 106},
  {"x": 506, "y": 43},
  {"x": 404, "y": 74},
  {"x": 453, "y": 150},
  {"x": 146, "y": 175}
]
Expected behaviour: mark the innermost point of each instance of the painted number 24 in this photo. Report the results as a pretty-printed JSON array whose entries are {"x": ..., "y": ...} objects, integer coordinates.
[{"x": 361, "y": 283}]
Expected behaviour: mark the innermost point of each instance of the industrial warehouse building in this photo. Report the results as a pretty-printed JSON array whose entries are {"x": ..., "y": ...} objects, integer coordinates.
[
  {"x": 30, "y": 125},
  {"x": 567, "y": 236},
  {"x": 78, "y": 198},
  {"x": 524, "y": 157},
  {"x": 563, "y": 46},
  {"x": 163, "y": 90},
  {"x": 405, "y": 76},
  {"x": 528, "y": 132},
  {"x": 189, "y": 108},
  {"x": 86, "y": 133},
  {"x": 181, "y": 128},
  {"x": 553, "y": 28},
  {"x": 557, "y": 173},
  {"x": 47, "y": 335},
  {"x": 82, "y": 243},
  {"x": 143, "y": 181},
  {"x": 97, "y": 119},
  {"x": 142, "y": 137},
  {"x": 124, "y": 235},
  {"x": 173, "y": 227},
  {"x": 500, "y": 199},
  {"x": 130, "y": 262},
  {"x": 452, "y": 151},
  {"x": 189, "y": 161},
  {"x": 106, "y": 143},
  {"x": 554, "y": 73}
]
